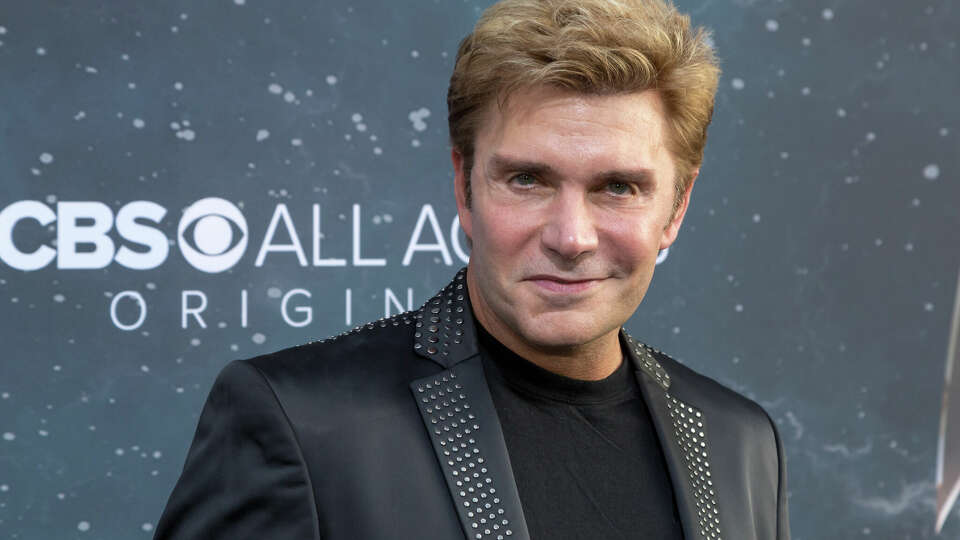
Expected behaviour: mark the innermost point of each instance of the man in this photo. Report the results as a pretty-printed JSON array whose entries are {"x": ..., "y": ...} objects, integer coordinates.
[{"x": 513, "y": 404}]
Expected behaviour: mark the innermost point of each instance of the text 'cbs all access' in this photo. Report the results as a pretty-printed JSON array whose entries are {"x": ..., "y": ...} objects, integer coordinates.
[{"x": 212, "y": 236}]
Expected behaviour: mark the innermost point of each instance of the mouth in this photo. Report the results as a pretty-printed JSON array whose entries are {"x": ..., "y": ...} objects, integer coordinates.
[{"x": 557, "y": 284}]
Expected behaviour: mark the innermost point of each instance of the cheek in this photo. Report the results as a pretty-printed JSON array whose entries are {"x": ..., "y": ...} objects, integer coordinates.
[
  {"x": 503, "y": 233},
  {"x": 632, "y": 244}
]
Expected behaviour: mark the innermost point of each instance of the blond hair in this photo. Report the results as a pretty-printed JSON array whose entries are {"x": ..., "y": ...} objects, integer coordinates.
[{"x": 589, "y": 46}]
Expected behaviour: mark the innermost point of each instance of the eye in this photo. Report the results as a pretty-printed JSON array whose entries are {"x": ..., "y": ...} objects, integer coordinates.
[
  {"x": 523, "y": 179},
  {"x": 619, "y": 188}
]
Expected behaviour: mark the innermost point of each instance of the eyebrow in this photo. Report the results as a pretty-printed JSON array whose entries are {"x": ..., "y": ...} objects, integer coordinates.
[{"x": 499, "y": 165}]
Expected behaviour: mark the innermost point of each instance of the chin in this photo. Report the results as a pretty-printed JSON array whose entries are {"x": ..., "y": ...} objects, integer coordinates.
[{"x": 561, "y": 330}]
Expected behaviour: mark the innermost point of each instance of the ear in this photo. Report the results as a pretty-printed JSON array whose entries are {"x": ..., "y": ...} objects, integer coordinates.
[
  {"x": 672, "y": 229},
  {"x": 460, "y": 190}
]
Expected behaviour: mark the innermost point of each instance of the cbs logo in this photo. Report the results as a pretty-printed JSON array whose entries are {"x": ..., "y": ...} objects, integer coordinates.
[{"x": 212, "y": 235}]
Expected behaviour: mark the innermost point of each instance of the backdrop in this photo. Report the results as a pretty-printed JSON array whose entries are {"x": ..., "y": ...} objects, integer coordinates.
[{"x": 187, "y": 183}]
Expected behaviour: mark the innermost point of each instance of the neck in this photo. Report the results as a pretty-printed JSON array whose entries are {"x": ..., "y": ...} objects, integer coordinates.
[{"x": 590, "y": 361}]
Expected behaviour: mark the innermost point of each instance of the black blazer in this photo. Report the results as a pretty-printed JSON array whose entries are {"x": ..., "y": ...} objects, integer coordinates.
[{"x": 389, "y": 432}]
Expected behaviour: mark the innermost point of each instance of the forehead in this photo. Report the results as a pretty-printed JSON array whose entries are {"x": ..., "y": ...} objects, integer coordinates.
[{"x": 542, "y": 118}]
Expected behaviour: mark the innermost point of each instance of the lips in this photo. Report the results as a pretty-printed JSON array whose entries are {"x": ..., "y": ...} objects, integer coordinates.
[{"x": 559, "y": 284}]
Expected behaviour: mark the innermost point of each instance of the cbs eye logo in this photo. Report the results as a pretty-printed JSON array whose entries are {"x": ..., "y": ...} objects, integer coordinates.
[{"x": 212, "y": 234}]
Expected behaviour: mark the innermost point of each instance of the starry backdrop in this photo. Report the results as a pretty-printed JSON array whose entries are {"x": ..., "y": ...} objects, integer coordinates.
[{"x": 815, "y": 273}]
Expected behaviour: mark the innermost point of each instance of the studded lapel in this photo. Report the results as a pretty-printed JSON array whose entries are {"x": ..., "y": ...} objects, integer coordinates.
[
  {"x": 459, "y": 414},
  {"x": 460, "y": 417},
  {"x": 682, "y": 431}
]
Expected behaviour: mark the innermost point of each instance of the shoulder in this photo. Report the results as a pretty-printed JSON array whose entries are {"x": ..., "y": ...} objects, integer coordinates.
[
  {"x": 363, "y": 368},
  {"x": 715, "y": 399},
  {"x": 377, "y": 342}
]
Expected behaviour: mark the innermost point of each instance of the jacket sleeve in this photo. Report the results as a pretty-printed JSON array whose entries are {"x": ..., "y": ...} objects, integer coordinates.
[
  {"x": 244, "y": 476},
  {"x": 783, "y": 517}
]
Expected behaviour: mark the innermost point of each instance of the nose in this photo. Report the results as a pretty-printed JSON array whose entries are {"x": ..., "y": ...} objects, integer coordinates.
[{"x": 569, "y": 231}]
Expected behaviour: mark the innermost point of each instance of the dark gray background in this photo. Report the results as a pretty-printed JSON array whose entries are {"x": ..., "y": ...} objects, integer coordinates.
[{"x": 816, "y": 270}]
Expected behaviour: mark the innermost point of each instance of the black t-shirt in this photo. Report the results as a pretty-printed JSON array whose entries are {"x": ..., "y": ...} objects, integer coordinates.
[{"x": 585, "y": 454}]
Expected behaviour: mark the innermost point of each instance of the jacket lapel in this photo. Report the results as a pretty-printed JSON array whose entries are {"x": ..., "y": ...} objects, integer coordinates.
[
  {"x": 682, "y": 430},
  {"x": 460, "y": 417}
]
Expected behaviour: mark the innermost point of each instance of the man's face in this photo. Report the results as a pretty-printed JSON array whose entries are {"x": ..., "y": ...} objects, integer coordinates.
[{"x": 572, "y": 198}]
